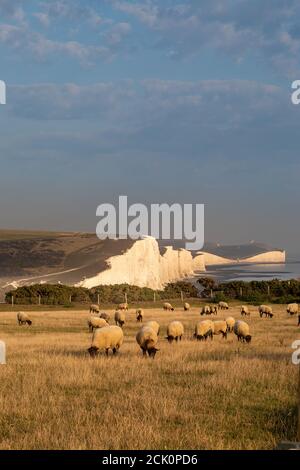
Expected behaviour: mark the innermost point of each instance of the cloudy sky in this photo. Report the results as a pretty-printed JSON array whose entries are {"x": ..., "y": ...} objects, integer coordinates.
[{"x": 163, "y": 101}]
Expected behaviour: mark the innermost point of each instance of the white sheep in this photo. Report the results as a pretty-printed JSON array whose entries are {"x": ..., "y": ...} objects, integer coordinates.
[
  {"x": 242, "y": 331},
  {"x": 23, "y": 318},
  {"x": 94, "y": 308},
  {"x": 214, "y": 309},
  {"x": 175, "y": 331},
  {"x": 96, "y": 322},
  {"x": 186, "y": 306},
  {"x": 220, "y": 327},
  {"x": 223, "y": 305},
  {"x": 204, "y": 330},
  {"x": 265, "y": 310},
  {"x": 230, "y": 324},
  {"x": 168, "y": 306},
  {"x": 109, "y": 337},
  {"x": 147, "y": 339},
  {"x": 120, "y": 318},
  {"x": 205, "y": 310},
  {"x": 245, "y": 310},
  {"x": 292, "y": 309},
  {"x": 139, "y": 314},
  {"x": 106, "y": 316},
  {"x": 154, "y": 325}
]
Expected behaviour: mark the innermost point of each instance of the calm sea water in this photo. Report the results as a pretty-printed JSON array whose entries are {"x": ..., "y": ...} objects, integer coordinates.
[{"x": 258, "y": 272}]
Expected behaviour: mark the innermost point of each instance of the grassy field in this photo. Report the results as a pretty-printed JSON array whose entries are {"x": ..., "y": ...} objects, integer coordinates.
[{"x": 193, "y": 395}]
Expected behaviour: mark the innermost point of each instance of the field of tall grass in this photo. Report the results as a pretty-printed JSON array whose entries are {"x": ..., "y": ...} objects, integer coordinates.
[{"x": 193, "y": 395}]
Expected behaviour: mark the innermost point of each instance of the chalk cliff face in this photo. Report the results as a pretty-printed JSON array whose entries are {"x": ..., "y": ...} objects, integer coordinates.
[
  {"x": 143, "y": 265},
  {"x": 275, "y": 256}
]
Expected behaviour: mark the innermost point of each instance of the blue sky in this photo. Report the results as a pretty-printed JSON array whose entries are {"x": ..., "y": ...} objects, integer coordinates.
[{"x": 164, "y": 101}]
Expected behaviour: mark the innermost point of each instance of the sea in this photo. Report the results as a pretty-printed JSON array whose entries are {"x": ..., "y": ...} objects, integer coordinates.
[{"x": 256, "y": 272}]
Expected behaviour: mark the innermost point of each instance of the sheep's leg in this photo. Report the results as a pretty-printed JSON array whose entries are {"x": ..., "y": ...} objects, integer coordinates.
[
  {"x": 106, "y": 352},
  {"x": 115, "y": 350}
]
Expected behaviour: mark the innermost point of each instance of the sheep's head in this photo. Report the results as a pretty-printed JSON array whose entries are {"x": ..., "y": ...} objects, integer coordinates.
[
  {"x": 248, "y": 338},
  {"x": 152, "y": 352},
  {"x": 93, "y": 351}
]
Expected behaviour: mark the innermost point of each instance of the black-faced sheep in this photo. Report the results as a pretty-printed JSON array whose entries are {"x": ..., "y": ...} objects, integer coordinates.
[
  {"x": 242, "y": 331},
  {"x": 23, "y": 319},
  {"x": 175, "y": 331},
  {"x": 204, "y": 330},
  {"x": 120, "y": 318},
  {"x": 139, "y": 315},
  {"x": 147, "y": 340},
  {"x": 109, "y": 337}
]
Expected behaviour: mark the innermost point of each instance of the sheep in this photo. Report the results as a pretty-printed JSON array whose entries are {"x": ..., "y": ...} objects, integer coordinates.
[
  {"x": 108, "y": 337},
  {"x": 205, "y": 310},
  {"x": 123, "y": 306},
  {"x": 147, "y": 339},
  {"x": 242, "y": 331},
  {"x": 94, "y": 308},
  {"x": 223, "y": 305},
  {"x": 168, "y": 306},
  {"x": 245, "y": 310},
  {"x": 96, "y": 322},
  {"x": 175, "y": 331},
  {"x": 292, "y": 309},
  {"x": 204, "y": 330},
  {"x": 213, "y": 309},
  {"x": 186, "y": 307},
  {"x": 154, "y": 325},
  {"x": 106, "y": 316},
  {"x": 220, "y": 326},
  {"x": 265, "y": 310},
  {"x": 139, "y": 315},
  {"x": 23, "y": 318},
  {"x": 230, "y": 324},
  {"x": 120, "y": 318}
]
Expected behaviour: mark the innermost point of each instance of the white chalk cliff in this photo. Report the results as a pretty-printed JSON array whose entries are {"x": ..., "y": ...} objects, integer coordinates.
[{"x": 143, "y": 265}]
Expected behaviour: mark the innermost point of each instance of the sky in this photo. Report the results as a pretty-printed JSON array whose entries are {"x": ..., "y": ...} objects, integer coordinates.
[{"x": 181, "y": 101}]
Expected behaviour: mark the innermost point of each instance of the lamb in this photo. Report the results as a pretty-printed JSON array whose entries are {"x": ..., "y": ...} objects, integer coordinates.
[
  {"x": 245, "y": 310},
  {"x": 23, "y": 318},
  {"x": 147, "y": 340},
  {"x": 265, "y": 310},
  {"x": 205, "y": 310},
  {"x": 204, "y": 330},
  {"x": 292, "y": 309},
  {"x": 106, "y": 316},
  {"x": 94, "y": 308},
  {"x": 123, "y": 306},
  {"x": 175, "y": 331},
  {"x": 242, "y": 331},
  {"x": 223, "y": 305},
  {"x": 139, "y": 314},
  {"x": 214, "y": 309},
  {"x": 220, "y": 326},
  {"x": 168, "y": 306},
  {"x": 108, "y": 337},
  {"x": 154, "y": 325},
  {"x": 230, "y": 324},
  {"x": 120, "y": 318},
  {"x": 186, "y": 307},
  {"x": 96, "y": 322}
]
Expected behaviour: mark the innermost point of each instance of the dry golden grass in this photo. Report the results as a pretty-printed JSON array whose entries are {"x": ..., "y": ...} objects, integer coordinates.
[{"x": 213, "y": 395}]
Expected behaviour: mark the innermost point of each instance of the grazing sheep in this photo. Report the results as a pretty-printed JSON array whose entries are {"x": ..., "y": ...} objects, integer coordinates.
[
  {"x": 147, "y": 339},
  {"x": 186, "y": 307},
  {"x": 23, "y": 318},
  {"x": 94, "y": 308},
  {"x": 213, "y": 309},
  {"x": 242, "y": 331},
  {"x": 96, "y": 322},
  {"x": 175, "y": 331},
  {"x": 123, "y": 306},
  {"x": 292, "y": 309},
  {"x": 220, "y": 326},
  {"x": 223, "y": 305},
  {"x": 205, "y": 310},
  {"x": 139, "y": 314},
  {"x": 230, "y": 324},
  {"x": 120, "y": 318},
  {"x": 106, "y": 316},
  {"x": 265, "y": 310},
  {"x": 168, "y": 306},
  {"x": 245, "y": 310},
  {"x": 109, "y": 337},
  {"x": 154, "y": 325},
  {"x": 204, "y": 330}
]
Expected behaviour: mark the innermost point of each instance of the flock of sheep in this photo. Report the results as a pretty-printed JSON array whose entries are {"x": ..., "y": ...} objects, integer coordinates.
[{"x": 110, "y": 337}]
